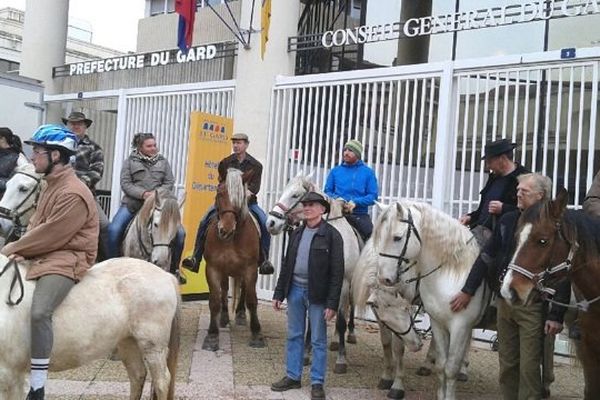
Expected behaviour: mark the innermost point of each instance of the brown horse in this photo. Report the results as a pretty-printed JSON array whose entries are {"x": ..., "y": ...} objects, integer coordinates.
[
  {"x": 554, "y": 243},
  {"x": 232, "y": 250}
]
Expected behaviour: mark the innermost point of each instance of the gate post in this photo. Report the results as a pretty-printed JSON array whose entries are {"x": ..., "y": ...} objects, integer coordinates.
[
  {"x": 121, "y": 149},
  {"x": 443, "y": 170}
]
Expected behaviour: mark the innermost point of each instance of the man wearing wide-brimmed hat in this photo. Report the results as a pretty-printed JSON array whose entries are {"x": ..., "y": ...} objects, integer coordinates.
[
  {"x": 499, "y": 194},
  {"x": 89, "y": 163},
  {"x": 311, "y": 281}
]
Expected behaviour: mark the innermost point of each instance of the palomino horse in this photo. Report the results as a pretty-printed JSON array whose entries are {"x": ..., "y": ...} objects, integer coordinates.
[
  {"x": 553, "y": 243},
  {"x": 19, "y": 201},
  {"x": 232, "y": 249},
  {"x": 393, "y": 313},
  {"x": 152, "y": 230},
  {"x": 121, "y": 303},
  {"x": 287, "y": 212},
  {"x": 426, "y": 252}
]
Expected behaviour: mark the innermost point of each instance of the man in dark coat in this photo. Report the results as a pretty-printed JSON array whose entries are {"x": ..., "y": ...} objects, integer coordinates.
[{"x": 311, "y": 280}]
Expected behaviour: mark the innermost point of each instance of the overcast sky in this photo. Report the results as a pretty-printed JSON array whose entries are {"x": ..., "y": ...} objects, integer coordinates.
[{"x": 113, "y": 22}]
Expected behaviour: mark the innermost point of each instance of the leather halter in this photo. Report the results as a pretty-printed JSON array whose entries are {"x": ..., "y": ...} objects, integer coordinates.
[
  {"x": 539, "y": 278},
  {"x": 16, "y": 214},
  {"x": 148, "y": 252},
  {"x": 288, "y": 212},
  {"x": 412, "y": 229}
]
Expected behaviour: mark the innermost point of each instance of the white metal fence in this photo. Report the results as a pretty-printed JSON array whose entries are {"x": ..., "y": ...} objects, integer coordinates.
[{"x": 424, "y": 127}]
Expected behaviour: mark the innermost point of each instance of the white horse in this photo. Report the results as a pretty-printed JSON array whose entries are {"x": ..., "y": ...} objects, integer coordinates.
[
  {"x": 152, "y": 230},
  {"x": 19, "y": 201},
  {"x": 423, "y": 251},
  {"x": 394, "y": 317},
  {"x": 288, "y": 212},
  {"x": 121, "y": 303}
]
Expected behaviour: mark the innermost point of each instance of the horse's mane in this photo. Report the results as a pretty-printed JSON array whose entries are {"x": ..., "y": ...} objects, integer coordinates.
[
  {"x": 146, "y": 211},
  {"x": 170, "y": 217},
  {"x": 439, "y": 231},
  {"x": 364, "y": 278},
  {"x": 237, "y": 191}
]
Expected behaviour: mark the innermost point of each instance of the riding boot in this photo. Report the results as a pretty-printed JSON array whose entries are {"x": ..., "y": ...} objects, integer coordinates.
[
  {"x": 37, "y": 394},
  {"x": 266, "y": 267},
  {"x": 193, "y": 262}
]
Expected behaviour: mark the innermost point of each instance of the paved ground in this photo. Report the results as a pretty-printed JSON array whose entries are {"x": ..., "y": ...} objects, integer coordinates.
[{"x": 240, "y": 372}]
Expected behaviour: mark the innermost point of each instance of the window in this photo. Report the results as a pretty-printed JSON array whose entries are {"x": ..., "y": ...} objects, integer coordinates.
[{"x": 7, "y": 66}]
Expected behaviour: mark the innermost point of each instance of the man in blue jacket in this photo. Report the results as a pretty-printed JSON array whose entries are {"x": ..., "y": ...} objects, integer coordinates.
[{"x": 356, "y": 183}]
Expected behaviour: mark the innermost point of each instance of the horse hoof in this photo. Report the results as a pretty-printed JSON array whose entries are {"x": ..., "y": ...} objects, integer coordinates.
[
  {"x": 334, "y": 346},
  {"x": 306, "y": 360},
  {"x": 257, "y": 343},
  {"x": 340, "y": 369},
  {"x": 351, "y": 338},
  {"x": 423, "y": 371},
  {"x": 385, "y": 384},
  {"x": 211, "y": 343},
  {"x": 223, "y": 323},
  {"x": 462, "y": 377},
  {"x": 240, "y": 320},
  {"x": 395, "y": 394}
]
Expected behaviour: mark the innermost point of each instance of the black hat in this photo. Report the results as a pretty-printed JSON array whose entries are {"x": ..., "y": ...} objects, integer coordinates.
[
  {"x": 76, "y": 116},
  {"x": 498, "y": 147},
  {"x": 316, "y": 198}
]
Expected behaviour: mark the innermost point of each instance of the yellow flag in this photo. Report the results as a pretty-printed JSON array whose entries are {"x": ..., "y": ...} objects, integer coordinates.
[{"x": 265, "y": 22}]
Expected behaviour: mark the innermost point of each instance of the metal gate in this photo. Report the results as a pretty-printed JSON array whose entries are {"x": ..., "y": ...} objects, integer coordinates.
[{"x": 424, "y": 127}]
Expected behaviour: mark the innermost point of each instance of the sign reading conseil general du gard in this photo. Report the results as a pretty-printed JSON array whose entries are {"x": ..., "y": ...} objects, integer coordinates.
[
  {"x": 476, "y": 19},
  {"x": 136, "y": 61}
]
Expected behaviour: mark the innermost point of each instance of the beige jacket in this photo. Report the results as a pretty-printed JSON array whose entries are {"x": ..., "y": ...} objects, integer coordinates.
[
  {"x": 62, "y": 236},
  {"x": 591, "y": 204}
]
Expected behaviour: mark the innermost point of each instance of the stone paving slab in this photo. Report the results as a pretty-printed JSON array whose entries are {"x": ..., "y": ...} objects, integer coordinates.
[{"x": 237, "y": 371}]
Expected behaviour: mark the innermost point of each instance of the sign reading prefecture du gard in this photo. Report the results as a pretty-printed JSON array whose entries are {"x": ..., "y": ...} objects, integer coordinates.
[
  {"x": 467, "y": 20},
  {"x": 136, "y": 61}
]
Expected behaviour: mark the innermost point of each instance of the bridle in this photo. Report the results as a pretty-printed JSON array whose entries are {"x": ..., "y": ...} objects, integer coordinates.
[
  {"x": 288, "y": 212},
  {"x": 412, "y": 230},
  {"x": 139, "y": 230},
  {"x": 539, "y": 278},
  {"x": 374, "y": 308},
  {"x": 15, "y": 216},
  {"x": 16, "y": 279}
]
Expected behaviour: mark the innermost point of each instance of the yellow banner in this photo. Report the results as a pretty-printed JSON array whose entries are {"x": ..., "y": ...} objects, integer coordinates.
[{"x": 209, "y": 143}]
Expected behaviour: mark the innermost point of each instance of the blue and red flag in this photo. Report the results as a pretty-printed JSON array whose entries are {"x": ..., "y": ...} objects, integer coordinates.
[{"x": 187, "y": 13}]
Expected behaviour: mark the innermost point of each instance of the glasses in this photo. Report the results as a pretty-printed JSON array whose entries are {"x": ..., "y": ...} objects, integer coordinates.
[{"x": 37, "y": 153}]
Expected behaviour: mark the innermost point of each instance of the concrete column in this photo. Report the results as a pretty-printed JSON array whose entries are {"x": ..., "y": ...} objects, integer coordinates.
[
  {"x": 414, "y": 50},
  {"x": 44, "y": 44},
  {"x": 255, "y": 77}
]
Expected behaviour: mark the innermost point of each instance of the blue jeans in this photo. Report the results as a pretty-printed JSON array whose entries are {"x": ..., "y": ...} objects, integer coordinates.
[
  {"x": 116, "y": 230},
  {"x": 298, "y": 307},
  {"x": 362, "y": 223},
  {"x": 265, "y": 236}
]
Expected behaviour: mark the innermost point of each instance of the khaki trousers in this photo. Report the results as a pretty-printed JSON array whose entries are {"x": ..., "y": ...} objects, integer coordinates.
[{"x": 520, "y": 347}]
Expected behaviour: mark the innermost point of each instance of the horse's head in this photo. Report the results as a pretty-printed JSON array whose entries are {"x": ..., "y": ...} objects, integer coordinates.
[
  {"x": 164, "y": 220},
  {"x": 397, "y": 240},
  {"x": 231, "y": 203},
  {"x": 19, "y": 200},
  {"x": 288, "y": 209},
  {"x": 394, "y": 312},
  {"x": 542, "y": 254}
]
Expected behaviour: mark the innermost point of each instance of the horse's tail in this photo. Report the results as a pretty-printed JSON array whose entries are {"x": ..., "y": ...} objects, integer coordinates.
[
  {"x": 237, "y": 284},
  {"x": 174, "y": 341}
]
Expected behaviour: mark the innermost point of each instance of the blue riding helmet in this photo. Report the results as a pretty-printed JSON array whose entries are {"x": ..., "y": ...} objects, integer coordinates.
[{"x": 55, "y": 137}]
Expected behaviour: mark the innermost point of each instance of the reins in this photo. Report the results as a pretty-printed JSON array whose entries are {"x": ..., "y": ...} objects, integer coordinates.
[{"x": 17, "y": 278}]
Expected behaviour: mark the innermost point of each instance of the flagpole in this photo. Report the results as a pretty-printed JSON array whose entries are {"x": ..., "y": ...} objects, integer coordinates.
[
  {"x": 240, "y": 39},
  {"x": 250, "y": 28},
  {"x": 246, "y": 43}
]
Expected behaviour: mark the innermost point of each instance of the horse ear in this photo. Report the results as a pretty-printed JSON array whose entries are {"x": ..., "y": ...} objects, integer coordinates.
[
  {"x": 300, "y": 173},
  {"x": 399, "y": 208},
  {"x": 310, "y": 175},
  {"x": 246, "y": 176},
  {"x": 381, "y": 206},
  {"x": 156, "y": 198},
  {"x": 559, "y": 204}
]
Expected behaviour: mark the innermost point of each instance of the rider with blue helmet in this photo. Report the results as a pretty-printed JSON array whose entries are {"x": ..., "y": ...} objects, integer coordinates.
[{"x": 61, "y": 241}]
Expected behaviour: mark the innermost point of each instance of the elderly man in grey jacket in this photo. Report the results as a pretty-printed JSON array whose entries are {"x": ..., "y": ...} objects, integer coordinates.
[{"x": 144, "y": 171}]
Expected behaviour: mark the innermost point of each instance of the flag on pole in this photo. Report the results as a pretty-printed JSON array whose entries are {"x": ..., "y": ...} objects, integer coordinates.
[
  {"x": 187, "y": 13},
  {"x": 265, "y": 22}
]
